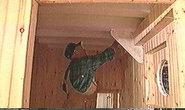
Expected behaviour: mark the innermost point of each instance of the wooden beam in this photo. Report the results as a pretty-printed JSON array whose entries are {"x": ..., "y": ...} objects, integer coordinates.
[
  {"x": 158, "y": 48},
  {"x": 77, "y": 22},
  {"x": 106, "y": 1},
  {"x": 120, "y": 10},
  {"x": 179, "y": 15},
  {"x": 14, "y": 30},
  {"x": 29, "y": 56},
  {"x": 126, "y": 41},
  {"x": 75, "y": 34},
  {"x": 86, "y": 47},
  {"x": 156, "y": 29},
  {"x": 160, "y": 14},
  {"x": 66, "y": 40}
]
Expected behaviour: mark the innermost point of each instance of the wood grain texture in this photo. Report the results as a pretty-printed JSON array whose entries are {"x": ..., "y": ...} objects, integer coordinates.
[
  {"x": 14, "y": 29},
  {"x": 159, "y": 17},
  {"x": 29, "y": 56},
  {"x": 106, "y": 1},
  {"x": 154, "y": 57},
  {"x": 48, "y": 70},
  {"x": 179, "y": 16}
]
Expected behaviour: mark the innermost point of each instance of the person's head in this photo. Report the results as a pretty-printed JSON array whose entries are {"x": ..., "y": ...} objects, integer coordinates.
[{"x": 74, "y": 51}]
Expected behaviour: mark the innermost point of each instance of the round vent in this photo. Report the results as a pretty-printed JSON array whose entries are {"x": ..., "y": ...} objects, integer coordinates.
[{"x": 162, "y": 78}]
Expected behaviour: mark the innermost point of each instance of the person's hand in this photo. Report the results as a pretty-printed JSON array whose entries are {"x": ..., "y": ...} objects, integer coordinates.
[{"x": 114, "y": 45}]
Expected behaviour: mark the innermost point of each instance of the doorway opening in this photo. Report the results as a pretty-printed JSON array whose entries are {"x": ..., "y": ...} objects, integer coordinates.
[{"x": 60, "y": 24}]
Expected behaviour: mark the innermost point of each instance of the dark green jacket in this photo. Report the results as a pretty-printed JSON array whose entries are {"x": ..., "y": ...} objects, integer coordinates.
[{"x": 81, "y": 70}]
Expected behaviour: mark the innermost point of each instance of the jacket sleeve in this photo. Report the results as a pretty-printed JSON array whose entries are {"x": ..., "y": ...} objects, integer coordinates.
[{"x": 106, "y": 55}]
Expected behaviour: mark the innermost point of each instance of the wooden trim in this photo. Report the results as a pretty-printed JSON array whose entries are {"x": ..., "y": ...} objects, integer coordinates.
[
  {"x": 29, "y": 56},
  {"x": 179, "y": 16},
  {"x": 153, "y": 23},
  {"x": 106, "y": 1},
  {"x": 158, "y": 48},
  {"x": 157, "y": 28},
  {"x": 14, "y": 28}
]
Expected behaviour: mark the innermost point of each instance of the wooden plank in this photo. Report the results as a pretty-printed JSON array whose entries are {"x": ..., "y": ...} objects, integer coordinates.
[
  {"x": 147, "y": 24},
  {"x": 179, "y": 15},
  {"x": 128, "y": 44},
  {"x": 149, "y": 69},
  {"x": 65, "y": 41},
  {"x": 106, "y": 1},
  {"x": 156, "y": 29},
  {"x": 13, "y": 50},
  {"x": 45, "y": 33},
  {"x": 158, "y": 48},
  {"x": 29, "y": 57},
  {"x": 159, "y": 38},
  {"x": 4, "y": 84},
  {"x": 162, "y": 9},
  {"x": 86, "y": 47},
  {"x": 173, "y": 69}
]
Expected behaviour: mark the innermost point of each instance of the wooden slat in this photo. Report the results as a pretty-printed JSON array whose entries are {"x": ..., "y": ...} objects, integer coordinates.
[
  {"x": 149, "y": 70},
  {"x": 158, "y": 48},
  {"x": 85, "y": 41},
  {"x": 179, "y": 16},
  {"x": 14, "y": 28},
  {"x": 158, "y": 39},
  {"x": 106, "y": 1},
  {"x": 156, "y": 12},
  {"x": 29, "y": 57},
  {"x": 152, "y": 20},
  {"x": 45, "y": 33},
  {"x": 86, "y": 47},
  {"x": 156, "y": 29}
]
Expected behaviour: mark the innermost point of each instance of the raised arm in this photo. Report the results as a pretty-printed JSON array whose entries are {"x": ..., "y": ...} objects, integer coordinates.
[
  {"x": 114, "y": 45},
  {"x": 106, "y": 55}
]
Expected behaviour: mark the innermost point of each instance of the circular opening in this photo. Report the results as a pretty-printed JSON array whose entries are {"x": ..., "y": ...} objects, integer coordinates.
[{"x": 162, "y": 78}]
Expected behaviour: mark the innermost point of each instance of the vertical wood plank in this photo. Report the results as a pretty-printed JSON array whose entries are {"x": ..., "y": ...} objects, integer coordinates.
[
  {"x": 179, "y": 15},
  {"x": 15, "y": 29},
  {"x": 29, "y": 56}
]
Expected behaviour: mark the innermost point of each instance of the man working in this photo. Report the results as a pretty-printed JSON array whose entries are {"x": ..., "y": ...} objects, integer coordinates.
[{"x": 80, "y": 72}]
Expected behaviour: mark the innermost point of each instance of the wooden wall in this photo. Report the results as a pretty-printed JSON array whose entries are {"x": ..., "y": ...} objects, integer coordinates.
[
  {"x": 15, "y": 28},
  {"x": 48, "y": 70},
  {"x": 157, "y": 49},
  {"x": 138, "y": 87},
  {"x": 141, "y": 88},
  {"x": 159, "y": 44},
  {"x": 133, "y": 94}
]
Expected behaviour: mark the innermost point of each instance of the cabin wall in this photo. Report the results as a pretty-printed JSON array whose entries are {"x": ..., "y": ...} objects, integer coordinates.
[
  {"x": 163, "y": 40},
  {"x": 15, "y": 28},
  {"x": 48, "y": 71},
  {"x": 163, "y": 46},
  {"x": 141, "y": 88},
  {"x": 133, "y": 94}
]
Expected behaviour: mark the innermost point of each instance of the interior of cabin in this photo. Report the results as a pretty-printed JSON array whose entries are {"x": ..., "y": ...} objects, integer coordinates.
[
  {"x": 91, "y": 23},
  {"x": 147, "y": 70}
]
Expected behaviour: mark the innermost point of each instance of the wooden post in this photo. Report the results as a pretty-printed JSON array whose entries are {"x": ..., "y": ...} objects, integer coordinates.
[
  {"x": 179, "y": 15},
  {"x": 29, "y": 56},
  {"x": 14, "y": 32}
]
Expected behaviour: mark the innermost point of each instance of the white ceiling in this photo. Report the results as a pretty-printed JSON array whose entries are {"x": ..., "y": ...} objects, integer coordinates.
[{"x": 59, "y": 24}]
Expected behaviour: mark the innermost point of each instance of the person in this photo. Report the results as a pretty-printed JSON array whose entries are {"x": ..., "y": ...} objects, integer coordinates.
[{"x": 80, "y": 72}]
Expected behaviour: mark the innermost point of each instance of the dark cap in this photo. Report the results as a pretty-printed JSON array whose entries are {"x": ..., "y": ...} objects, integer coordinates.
[{"x": 70, "y": 49}]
